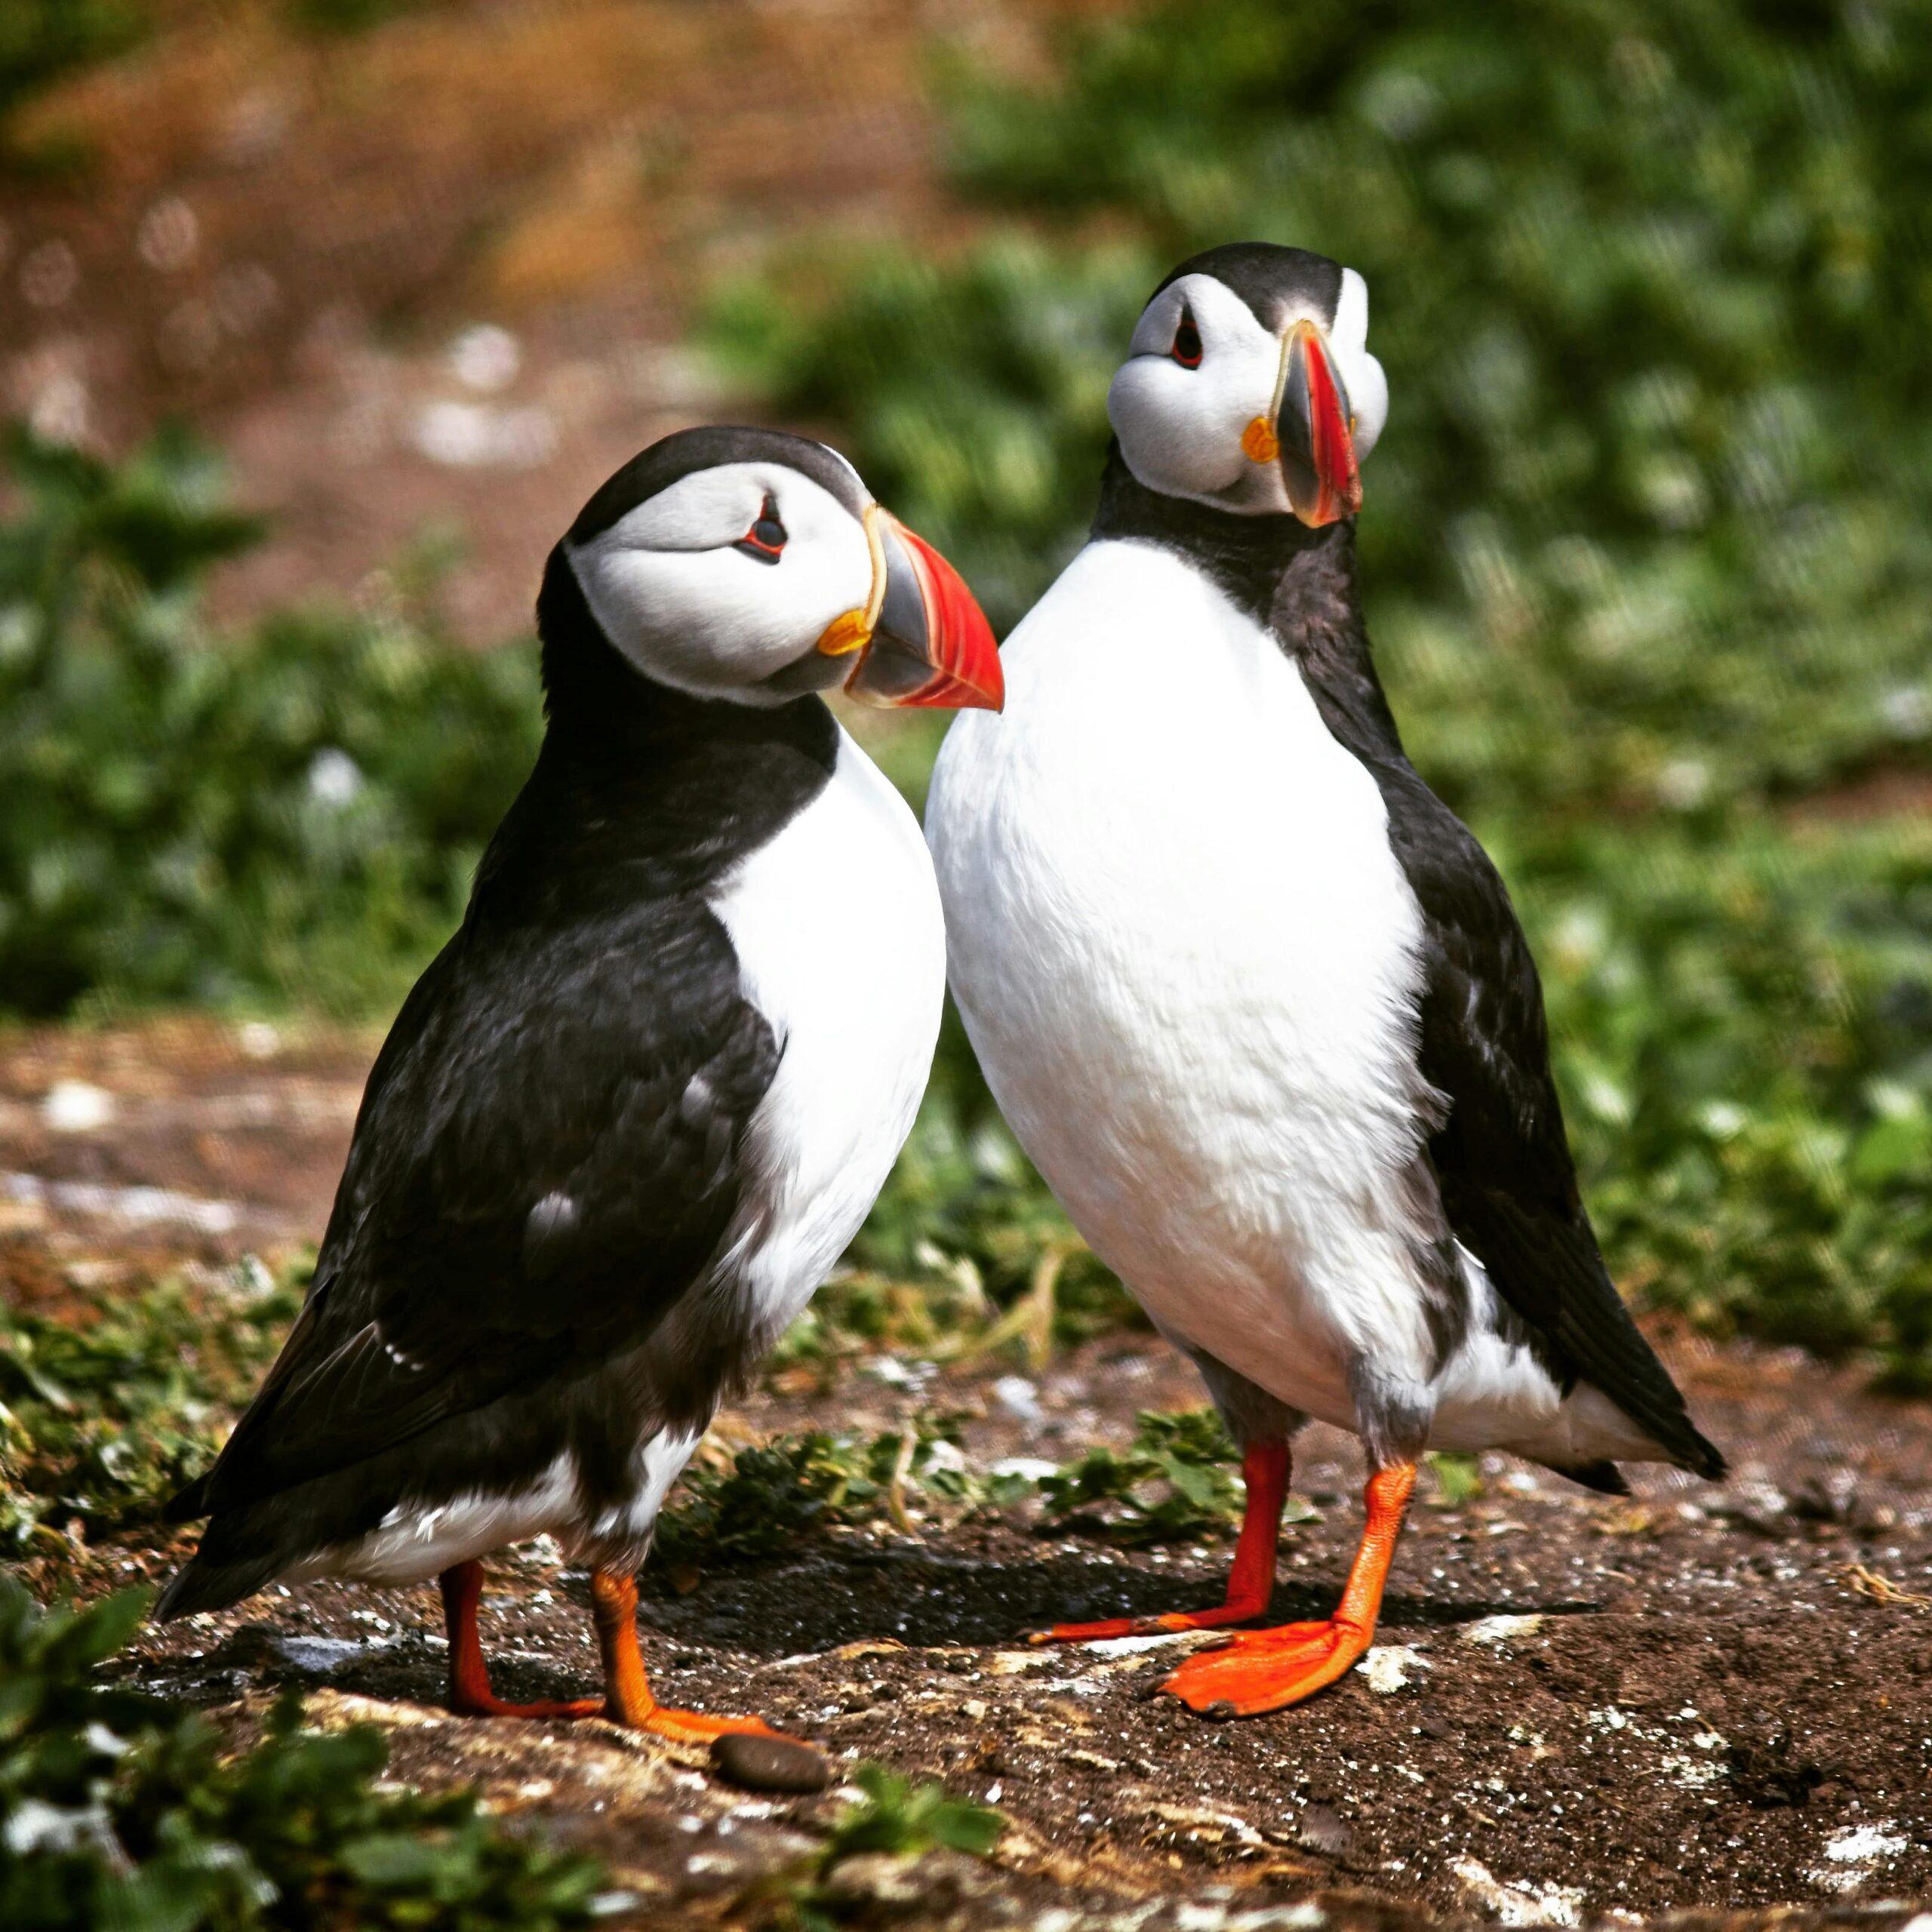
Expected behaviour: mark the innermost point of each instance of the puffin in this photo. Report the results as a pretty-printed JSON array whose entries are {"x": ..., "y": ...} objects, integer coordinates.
[
  {"x": 1251, "y": 996},
  {"x": 637, "y": 1107}
]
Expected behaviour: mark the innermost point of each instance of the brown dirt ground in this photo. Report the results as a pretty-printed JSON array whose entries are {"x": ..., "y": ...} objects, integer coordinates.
[{"x": 1711, "y": 1700}]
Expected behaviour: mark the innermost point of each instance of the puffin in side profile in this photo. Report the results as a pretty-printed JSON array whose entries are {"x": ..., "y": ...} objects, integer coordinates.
[
  {"x": 1251, "y": 996},
  {"x": 639, "y": 1104}
]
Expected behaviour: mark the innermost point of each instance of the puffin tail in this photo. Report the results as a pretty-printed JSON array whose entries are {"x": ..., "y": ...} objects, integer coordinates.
[
  {"x": 1604, "y": 1477},
  {"x": 1700, "y": 1455},
  {"x": 200, "y": 1585}
]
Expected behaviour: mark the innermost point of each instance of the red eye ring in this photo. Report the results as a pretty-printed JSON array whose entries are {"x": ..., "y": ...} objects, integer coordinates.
[
  {"x": 1186, "y": 347},
  {"x": 767, "y": 537}
]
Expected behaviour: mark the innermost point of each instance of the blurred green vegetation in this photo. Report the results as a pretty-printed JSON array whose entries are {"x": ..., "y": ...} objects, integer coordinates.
[
  {"x": 124, "y": 1811},
  {"x": 1652, "y": 518},
  {"x": 40, "y": 40},
  {"x": 289, "y": 814},
  {"x": 1646, "y": 545}
]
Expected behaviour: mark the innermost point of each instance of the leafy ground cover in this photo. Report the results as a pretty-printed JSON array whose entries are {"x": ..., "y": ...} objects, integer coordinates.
[
  {"x": 287, "y": 816},
  {"x": 114, "y": 1393},
  {"x": 1645, "y": 1703},
  {"x": 123, "y": 1810},
  {"x": 113, "y": 1401}
]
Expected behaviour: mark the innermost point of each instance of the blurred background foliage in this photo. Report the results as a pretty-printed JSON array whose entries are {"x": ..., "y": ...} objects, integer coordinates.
[
  {"x": 1647, "y": 549},
  {"x": 1652, "y": 520},
  {"x": 289, "y": 813}
]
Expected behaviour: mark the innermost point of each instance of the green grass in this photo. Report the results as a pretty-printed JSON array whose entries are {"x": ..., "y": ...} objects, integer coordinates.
[
  {"x": 125, "y": 1812},
  {"x": 109, "y": 1406}
]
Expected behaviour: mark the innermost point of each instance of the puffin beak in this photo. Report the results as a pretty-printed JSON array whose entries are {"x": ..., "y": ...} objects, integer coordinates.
[
  {"x": 922, "y": 639},
  {"x": 1312, "y": 435}
]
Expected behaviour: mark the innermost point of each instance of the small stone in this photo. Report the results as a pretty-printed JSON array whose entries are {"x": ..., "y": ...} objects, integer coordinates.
[
  {"x": 1498, "y": 1631},
  {"x": 75, "y": 1106},
  {"x": 1321, "y": 1829},
  {"x": 1391, "y": 1667},
  {"x": 761, "y": 1763}
]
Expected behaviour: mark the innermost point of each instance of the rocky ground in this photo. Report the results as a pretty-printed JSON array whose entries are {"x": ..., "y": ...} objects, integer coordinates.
[{"x": 1703, "y": 1699}]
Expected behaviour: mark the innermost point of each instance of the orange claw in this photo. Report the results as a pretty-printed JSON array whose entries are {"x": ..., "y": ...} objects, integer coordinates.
[
  {"x": 694, "y": 1728},
  {"x": 1264, "y": 1467},
  {"x": 1262, "y": 1670}
]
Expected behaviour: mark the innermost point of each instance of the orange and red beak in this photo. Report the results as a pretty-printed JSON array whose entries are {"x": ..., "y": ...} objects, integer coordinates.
[
  {"x": 922, "y": 639},
  {"x": 1312, "y": 434}
]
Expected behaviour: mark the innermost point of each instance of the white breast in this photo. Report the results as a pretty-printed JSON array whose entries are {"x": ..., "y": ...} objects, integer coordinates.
[
  {"x": 841, "y": 946},
  {"x": 1187, "y": 957}
]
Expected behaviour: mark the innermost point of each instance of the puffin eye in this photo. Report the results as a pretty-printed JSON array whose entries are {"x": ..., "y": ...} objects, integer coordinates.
[
  {"x": 766, "y": 538},
  {"x": 1186, "y": 349}
]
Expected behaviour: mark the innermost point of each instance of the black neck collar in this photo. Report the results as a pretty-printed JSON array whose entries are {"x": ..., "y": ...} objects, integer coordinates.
[
  {"x": 1248, "y": 556},
  {"x": 1298, "y": 583},
  {"x": 594, "y": 697}
]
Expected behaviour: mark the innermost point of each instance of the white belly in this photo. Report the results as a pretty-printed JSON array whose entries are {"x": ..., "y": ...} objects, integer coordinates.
[
  {"x": 841, "y": 945},
  {"x": 1187, "y": 957}
]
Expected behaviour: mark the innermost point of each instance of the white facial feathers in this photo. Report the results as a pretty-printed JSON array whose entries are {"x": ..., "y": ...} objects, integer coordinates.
[
  {"x": 674, "y": 591},
  {"x": 1361, "y": 374},
  {"x": 1180, "y": 428}
]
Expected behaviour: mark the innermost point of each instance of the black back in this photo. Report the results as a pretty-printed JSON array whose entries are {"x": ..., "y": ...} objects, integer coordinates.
[
  {"x": 551, "y": 1146},
  {"x": 1500, "y": 1155}
]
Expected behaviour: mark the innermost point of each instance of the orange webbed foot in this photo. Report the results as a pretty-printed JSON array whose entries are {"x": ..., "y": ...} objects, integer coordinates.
[
  {"x": 1262, "y": 1670},
  {"x": 468, "y": 1704},
  {"x": 1166, "y": 1623},
  {"x": 695, "y": 1727}
]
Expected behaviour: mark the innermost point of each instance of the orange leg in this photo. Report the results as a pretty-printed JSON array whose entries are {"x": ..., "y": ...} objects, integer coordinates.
[
  {"x": 613, "y": 1605},
  {"x": 1264, "y": 1466},
  {"x": 1261, "y": 1670},
  {"x": 627, "y": 1698}
]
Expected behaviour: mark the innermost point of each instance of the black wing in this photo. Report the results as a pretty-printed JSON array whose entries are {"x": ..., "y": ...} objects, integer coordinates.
[
  {"x": 1502, "y": 1159},
  {"x": 548, "y": 1155}
]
